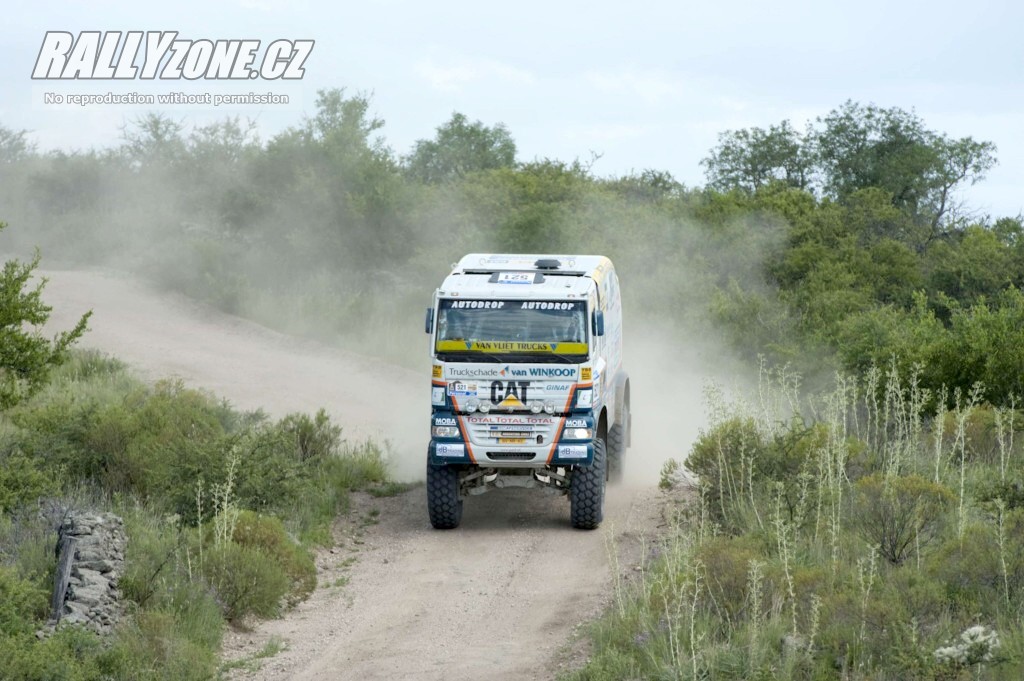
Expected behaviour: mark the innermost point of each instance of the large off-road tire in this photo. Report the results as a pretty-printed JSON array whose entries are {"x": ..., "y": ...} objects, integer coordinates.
[
  {"x": 443, "y": 501},
  {"x": 618, "y": 441},
  {"x": 586, "y": 491}
]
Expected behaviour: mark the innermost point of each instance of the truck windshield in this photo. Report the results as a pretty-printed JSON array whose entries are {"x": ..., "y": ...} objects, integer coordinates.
[{"x": 512, "y": 327}]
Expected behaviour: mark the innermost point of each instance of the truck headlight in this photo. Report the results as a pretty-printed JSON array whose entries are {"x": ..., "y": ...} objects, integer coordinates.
[
  {"x": 579, "y": 433},
  {"x": 585, "y": 398},
  {"x": 484, "y": 407},
  {"x": 445, "y": 431},
  {"x": 549, "y": 407},
  {"x": 471, "y": 406},
  {"x": 536, "y": 407}
]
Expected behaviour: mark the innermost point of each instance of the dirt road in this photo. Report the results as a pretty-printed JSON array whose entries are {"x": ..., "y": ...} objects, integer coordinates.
[{"x": 497, "y": 599}]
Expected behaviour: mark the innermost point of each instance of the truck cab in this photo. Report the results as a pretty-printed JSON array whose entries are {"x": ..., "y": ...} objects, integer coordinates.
[{"x": 527, "y": 384}]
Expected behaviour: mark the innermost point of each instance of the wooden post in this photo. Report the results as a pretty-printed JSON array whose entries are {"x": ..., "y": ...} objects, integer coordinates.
[{"x": 65, "y": 556}]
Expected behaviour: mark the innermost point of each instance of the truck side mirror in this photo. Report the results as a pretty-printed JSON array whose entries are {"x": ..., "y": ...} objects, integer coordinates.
[
  {"x": 430, "y": 320},
  {"x": 598, "y": 323}
]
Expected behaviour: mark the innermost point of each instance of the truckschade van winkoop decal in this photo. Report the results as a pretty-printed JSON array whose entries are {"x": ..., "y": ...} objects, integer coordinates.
[{"x": 558, "y": 372}]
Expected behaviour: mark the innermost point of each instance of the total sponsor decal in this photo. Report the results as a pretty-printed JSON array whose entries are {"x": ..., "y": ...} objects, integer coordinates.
[{"x": 496, "y": 419}]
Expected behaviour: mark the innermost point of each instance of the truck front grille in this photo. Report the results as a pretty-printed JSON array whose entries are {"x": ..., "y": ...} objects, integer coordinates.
[{"x": 511, "y": 456}]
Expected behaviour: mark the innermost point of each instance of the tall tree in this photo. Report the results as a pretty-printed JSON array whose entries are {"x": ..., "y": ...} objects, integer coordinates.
[
  {"x": 26, "y": 357},
  {"x": 751, "y": 158},
  {"x": 461, "y": 147},
  {"x": 14, "y": 146},
  {"x": 962, "y": 160},
  {"x": 853, "y": 148}
]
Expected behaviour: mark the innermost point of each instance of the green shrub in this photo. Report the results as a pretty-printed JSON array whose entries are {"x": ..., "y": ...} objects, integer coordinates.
[
  {"x": 153, "y": 560},
  {"x": 27, "y": 541},
  {"x": 271, "y": 477},
  {"x": 734, "y": 460},
  {"x": 1011, "y": 490},
  {"x": 152, "y": 443},
  {"x": 969, "y": 567},
  {"x": 721, "y": 457},
  {"x": 155, "y": 646},
  {"x": 360, "y": 464},
  {"x": 22, "y": 481},
  {"x": 22, "y": 603},
  {"x": 267, "y": 535},
  {"x": 900, "y": 514},
  {"x": 90, "y": 365},
  {"x": 71, "y": 654},
  {"x": 244, "y": 581},
  {"x": 727, "y": 562},
  {"x": 176, "y": 617},
  {"x": 316, "y": 438}
]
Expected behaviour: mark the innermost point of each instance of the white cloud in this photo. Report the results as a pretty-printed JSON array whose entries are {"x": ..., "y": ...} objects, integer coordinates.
[
  {"x": 606, "y": 132},
  {"x": 453, "y": 77},
  {"x": 653, "y": 87},
  {"x": 260, "y": 5}
]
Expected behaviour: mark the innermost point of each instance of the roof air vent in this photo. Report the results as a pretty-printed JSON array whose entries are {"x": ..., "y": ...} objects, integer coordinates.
[{"x": 547, "y": 264}]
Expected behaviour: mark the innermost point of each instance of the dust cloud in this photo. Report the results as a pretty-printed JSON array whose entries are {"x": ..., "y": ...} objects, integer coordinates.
[
  {"x": 306, "y": 266},
  {"x": 669, "y": 372}
]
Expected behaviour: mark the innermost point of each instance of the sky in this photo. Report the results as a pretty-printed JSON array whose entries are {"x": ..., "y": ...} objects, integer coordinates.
[{"x": 627, "y": 86}]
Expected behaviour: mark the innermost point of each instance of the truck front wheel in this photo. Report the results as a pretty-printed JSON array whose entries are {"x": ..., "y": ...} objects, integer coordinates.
[
  {"x": 586, "y": 491},
  {"x": 443, "y": 501}
]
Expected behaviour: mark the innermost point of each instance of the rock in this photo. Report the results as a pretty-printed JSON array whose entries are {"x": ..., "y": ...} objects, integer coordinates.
[
  {"x": 91, "y": 595},
  {"x": 92, "y": 599},
  {"x": 91, "y": 554},
  {"x": 75, "y": 613},
  {"x": 99, "y": 565}
]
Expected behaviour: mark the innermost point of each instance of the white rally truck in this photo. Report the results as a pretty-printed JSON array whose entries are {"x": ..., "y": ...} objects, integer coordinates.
[{"x": 527, "y": 387}]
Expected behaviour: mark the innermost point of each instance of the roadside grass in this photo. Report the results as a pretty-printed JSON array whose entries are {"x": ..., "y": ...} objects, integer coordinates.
[
  {"x": 221, "y": 508},
  {"x": 873, "y": 532},
  {"x": 252, "y": 662},
  {"x": 391, "y": 488}
]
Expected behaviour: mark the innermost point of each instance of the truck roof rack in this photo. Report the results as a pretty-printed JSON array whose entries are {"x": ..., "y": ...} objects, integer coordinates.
[{"x": 546, "y": 272}]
